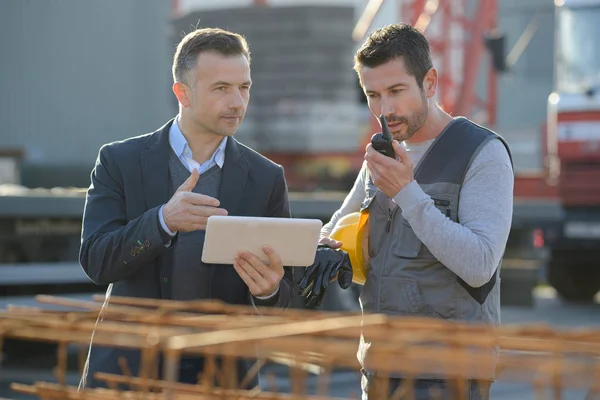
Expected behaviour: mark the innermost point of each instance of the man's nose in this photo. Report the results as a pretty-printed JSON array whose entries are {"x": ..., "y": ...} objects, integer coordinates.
[
  {"x": 238, "y": 99},
  {"x": 387, "y": 107}
]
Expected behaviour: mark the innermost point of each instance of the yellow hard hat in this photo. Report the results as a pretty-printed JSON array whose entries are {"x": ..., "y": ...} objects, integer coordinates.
[{"x": 352, "y": 230}]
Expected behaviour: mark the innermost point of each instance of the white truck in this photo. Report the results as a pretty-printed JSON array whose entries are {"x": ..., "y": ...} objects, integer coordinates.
[{"x": 573, "y": 151}]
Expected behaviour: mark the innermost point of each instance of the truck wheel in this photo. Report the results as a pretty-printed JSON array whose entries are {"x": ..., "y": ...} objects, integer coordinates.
[{"x": 574, "y": 281}]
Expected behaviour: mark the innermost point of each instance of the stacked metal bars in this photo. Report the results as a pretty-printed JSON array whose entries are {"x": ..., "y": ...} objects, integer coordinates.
[{"x": 309, "y": 342}]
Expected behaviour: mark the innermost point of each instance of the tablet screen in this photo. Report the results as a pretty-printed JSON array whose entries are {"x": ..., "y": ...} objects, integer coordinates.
[{"x": 294, "y": 239}]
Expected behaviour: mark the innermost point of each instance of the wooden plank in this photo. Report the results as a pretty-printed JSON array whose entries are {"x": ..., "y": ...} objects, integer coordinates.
[{"x": 535, "y": 354}]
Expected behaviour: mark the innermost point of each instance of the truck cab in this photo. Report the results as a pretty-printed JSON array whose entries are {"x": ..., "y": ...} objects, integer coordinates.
[{"x": 573, "y": 150}]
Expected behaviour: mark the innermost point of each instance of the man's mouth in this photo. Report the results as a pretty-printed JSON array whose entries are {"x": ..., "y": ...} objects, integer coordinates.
[{"x": 394, "y": 125}]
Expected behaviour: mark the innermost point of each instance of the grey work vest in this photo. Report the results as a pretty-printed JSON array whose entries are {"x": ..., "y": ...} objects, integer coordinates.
[{"x": 403, "y": 277}]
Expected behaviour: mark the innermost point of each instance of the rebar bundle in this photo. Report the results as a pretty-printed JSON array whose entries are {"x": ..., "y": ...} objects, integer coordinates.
[{"x": 307, "y": 342}]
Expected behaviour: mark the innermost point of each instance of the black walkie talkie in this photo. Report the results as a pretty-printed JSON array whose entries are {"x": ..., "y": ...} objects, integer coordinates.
[{"x": 382, "y": 141}]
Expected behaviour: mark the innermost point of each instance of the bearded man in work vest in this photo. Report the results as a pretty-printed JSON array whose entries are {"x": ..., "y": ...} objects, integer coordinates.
[{"x": 439, "y": 213}]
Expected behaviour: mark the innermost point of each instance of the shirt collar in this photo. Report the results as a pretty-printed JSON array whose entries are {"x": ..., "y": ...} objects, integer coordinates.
[{"x": 179, "y": 144}]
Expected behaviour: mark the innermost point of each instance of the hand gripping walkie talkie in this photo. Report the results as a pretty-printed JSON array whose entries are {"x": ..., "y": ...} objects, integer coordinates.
[{"x": 382, "y": 141}]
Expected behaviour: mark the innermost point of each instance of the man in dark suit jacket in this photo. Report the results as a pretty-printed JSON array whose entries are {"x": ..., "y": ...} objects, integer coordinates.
[{"x": 150, "y": 197}]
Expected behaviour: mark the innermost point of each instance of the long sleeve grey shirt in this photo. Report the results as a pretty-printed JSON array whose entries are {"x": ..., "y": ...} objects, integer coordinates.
[{"x": 472, "y": 249}]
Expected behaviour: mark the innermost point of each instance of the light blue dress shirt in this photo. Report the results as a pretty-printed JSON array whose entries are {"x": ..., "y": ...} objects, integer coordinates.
[{"x": 181, "y": 148}]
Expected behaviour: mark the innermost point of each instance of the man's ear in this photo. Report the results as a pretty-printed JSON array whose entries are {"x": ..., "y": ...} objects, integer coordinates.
[
  {"x": 430, "y": 82},
  {"x": 183, "y": 94}
]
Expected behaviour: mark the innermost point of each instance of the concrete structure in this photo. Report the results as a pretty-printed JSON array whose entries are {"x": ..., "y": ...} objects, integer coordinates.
[{"x": 75, "y": 75}]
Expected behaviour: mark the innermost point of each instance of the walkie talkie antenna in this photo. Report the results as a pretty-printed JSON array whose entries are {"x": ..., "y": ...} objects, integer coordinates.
[
  {"x": 385, "y": 130},
  {"x": 382, "y": 141}
]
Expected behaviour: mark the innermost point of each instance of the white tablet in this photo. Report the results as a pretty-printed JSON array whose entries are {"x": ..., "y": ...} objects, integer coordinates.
[{"x": 294, "y": 239}]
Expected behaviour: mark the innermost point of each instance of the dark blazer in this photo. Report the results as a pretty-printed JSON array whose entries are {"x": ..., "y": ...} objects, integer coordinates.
[{"x": 124, "y": 244}]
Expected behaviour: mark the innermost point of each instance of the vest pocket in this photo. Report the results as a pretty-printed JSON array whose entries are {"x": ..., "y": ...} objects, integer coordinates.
[
  {"x": 407, "y": 244},
  {"x": 402, "y": 296},
  {"x": 444, "y": 206}
]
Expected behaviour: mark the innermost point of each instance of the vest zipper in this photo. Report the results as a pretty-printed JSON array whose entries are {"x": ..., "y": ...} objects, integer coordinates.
[
  {"x": 391, "y": 214},
  {"x": 388, "y": 225},
  {"x": 388, "y": 240}
]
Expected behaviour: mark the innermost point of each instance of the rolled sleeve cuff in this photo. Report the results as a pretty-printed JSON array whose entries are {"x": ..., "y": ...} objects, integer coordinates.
[
  {"x": 161, "y": 218},
  {"x": 270, "y": 300},
  {"x": 269, "y": 296},
  {"x": 165, "y": 232}
]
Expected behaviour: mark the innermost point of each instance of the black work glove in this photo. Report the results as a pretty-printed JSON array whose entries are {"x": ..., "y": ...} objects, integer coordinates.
[{"x": 328, "y": 264}]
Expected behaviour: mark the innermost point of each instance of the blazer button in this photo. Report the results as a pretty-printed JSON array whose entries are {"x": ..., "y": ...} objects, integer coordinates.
[{"x": 165, "y": 280}]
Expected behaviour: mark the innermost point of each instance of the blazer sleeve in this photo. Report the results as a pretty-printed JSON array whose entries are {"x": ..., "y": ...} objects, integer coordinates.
[
  {"x": 279, "y": 207},
  {"x": 113, "y": 248}
]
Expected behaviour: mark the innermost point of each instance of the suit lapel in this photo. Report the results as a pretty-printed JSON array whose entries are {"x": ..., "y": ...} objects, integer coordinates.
[
  {"x": 233, "y": 180},
  {"x": 155, "y": 172},
  {"x": 155, "y": 168}
]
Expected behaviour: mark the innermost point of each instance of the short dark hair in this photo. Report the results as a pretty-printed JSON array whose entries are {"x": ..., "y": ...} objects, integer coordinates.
[
  {"x": 206, "y": 39},
  {"x": 394, "y": 41}
]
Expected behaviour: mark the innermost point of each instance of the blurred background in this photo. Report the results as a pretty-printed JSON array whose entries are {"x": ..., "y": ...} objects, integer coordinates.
[{"x": 75, "y": 74}]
